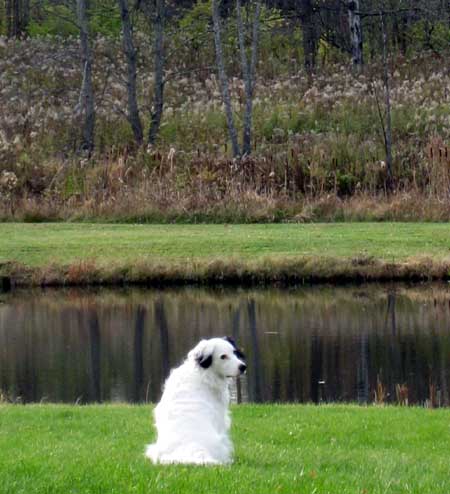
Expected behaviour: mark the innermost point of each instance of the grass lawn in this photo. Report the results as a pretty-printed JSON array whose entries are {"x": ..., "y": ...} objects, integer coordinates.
[
  {"x": 278, "y": 449},
  {"x": 36, "y": 244},
  {"x": 188, "y": 251}
]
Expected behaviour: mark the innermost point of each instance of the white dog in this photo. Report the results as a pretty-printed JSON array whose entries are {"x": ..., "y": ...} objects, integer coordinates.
[{"x": 192, "y": 418}]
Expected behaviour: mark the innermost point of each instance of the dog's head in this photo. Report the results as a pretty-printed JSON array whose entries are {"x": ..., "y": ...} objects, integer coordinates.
[{"x": 221, "y": 355}]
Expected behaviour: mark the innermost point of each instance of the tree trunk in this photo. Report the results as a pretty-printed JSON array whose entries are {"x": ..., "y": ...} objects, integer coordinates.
[
  {"x": 24, "y": 18},
  {"x": 400, "y": 28},
  {"x": 223, "y": 80},
  {"x": 16, "y": 19},
  {"x": 356, "y": 38},
  {"x": 248, "y": 71},
  {"x": 158, "y": 94},
  {"x": 17, "y": 13},
  {"x": 86, "y": 102},
  {"x": 130, "y": 54},
  {"x": 309, "y": 34},
  {"x": 9, "y": 9},
  {"x": 388, "y": 132}
]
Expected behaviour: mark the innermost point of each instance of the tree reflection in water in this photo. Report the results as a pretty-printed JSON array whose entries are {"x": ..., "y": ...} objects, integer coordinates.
[{"x": 317, "y": 344}]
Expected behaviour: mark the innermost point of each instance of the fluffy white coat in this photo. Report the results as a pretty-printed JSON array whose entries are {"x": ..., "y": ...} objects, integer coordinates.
[{"x": 192, "y": 419}]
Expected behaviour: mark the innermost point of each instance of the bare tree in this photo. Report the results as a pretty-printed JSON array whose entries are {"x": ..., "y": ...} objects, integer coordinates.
[
  {"x": 223, "y": 80},
  {"x": 159, "y": 82},
  {"x": 17, "y": 14},
  {"x": 248, "y": 71},
  {"x": 356, "y": 38},
  {"x": 306, "y": 14},
  {"x": 86, "y": 103},
  {"x": 388, "y": 126},
  {"x": 24, "y": 18},
  {"x": 8, "y": 15},
  {"x": 131, "y": 57},
  {"x": 248, "y": 65}
]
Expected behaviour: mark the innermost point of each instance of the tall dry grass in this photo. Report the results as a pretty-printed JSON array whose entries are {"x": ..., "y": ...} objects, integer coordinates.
[
  {"x": 318, "y": 150},
  {"x": 218, "y": 189}
]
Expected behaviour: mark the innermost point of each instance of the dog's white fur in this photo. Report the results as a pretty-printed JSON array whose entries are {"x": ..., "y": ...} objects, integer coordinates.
[{"x": 192, "y": 419}]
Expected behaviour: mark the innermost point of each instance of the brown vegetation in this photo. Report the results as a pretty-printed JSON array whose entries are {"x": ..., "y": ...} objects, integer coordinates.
[
  {"x": 317, "y": 149},
  {"x": 291, "y": 270}
]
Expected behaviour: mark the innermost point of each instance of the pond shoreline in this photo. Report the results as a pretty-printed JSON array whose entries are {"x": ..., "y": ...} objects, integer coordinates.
[{"x": 293, "y": 270}]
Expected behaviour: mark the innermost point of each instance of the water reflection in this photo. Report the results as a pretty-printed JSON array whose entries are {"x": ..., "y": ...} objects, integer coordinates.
[{"x": 310, "y": 344}]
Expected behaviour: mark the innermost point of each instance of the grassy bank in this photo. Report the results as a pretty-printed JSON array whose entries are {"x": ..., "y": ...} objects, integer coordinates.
[
  {"x": 329, "y": 449},
  {"x": 96, "y": 253}
]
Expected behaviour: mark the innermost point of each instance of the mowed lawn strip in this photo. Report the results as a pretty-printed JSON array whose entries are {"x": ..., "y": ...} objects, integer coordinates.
[
  {"x": 278, "y": 448},
  {"x": 43, "y": 243}
]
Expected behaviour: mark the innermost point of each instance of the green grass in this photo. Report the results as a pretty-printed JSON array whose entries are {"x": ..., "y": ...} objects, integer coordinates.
[
  {"x": 86, "y": 253},
  {"x": 39, "y": 244},
  {"x": 278, "y": 449}
]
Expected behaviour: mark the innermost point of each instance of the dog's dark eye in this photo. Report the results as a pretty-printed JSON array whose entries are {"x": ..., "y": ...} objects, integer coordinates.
[{"x": 223, "y": 357}]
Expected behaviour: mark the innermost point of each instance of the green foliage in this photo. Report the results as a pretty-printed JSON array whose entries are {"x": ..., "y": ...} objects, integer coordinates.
[
  {"x": 73, "y": 184},
  {"x": 59, "y": 20},
  {"x": 105, "y": 19},
  {"x": 317, "y": 121},
  {"x": 278, "y": 52},
  {"x": 193, "y": 37},
  {"x": 194, "y": 25},
  {"x": 273, "y": 128},
  {"x": 345, "y": 183},
  {"x": 423, "y": 33},
  {"x": 113, "y": 134}
]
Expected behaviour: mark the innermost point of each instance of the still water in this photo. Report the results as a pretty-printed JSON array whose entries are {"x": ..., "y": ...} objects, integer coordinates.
[{"x": 315, "y": 344}]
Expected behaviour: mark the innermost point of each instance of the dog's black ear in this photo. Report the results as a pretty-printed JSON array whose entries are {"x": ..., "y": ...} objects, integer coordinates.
[
  {"x": 202, "y": 354},
  {"x": 230, "y": 340},
  {"x": 204, "y": 362},
  {"x": 239, "y": 354}
]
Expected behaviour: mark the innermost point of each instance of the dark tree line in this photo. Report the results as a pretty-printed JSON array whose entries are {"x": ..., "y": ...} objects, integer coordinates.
[{"x": 342, "y": 23}]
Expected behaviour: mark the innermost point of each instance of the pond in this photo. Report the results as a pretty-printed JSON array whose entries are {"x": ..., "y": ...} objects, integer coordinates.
[{"x": 386, "y": 343}]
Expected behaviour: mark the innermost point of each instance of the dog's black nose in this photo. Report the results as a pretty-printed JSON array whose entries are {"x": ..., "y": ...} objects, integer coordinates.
[{"x": 242, "y": 368}]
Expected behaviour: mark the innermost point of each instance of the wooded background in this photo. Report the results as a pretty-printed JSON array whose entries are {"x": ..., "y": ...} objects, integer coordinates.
[{"x": 308, "y": 97}]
